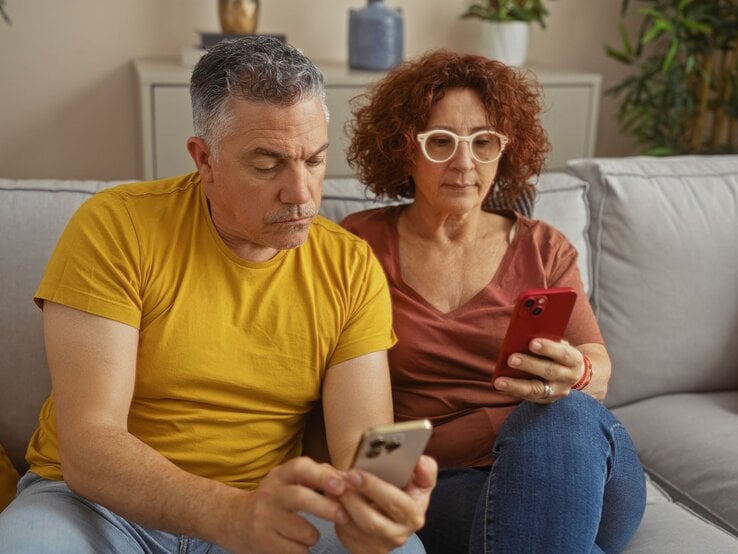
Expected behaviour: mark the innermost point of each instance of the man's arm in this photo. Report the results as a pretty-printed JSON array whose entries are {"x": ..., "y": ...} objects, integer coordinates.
[
  {"x": 356, "y": 395},
  {"x": 93, "y": 367}
]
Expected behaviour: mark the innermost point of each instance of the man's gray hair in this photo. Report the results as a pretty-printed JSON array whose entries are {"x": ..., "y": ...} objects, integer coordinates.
[{"x": 255, "y": 68}]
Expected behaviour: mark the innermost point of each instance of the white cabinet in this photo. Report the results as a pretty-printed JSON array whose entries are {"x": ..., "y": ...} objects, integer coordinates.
[
  {"x": 166, "y": 117},
  {"x": 570, "y": 118},
  {"x": 571, "y": 108}
]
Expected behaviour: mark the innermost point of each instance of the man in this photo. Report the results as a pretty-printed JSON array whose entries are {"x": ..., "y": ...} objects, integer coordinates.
[{"x": 192, "y": 323}]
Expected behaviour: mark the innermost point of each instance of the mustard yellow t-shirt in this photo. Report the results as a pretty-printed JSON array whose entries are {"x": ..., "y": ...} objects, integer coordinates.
[
  {"x": 232, "y": 353},
  {"x": 8, "y": 479}
]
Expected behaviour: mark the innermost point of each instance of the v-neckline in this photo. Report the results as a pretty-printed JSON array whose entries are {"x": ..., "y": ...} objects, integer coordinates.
[{"x": 452, "y": 314}]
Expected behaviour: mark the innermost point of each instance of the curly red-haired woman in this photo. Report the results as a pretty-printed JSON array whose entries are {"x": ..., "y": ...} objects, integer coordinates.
[{"x": 528, "y": 465}]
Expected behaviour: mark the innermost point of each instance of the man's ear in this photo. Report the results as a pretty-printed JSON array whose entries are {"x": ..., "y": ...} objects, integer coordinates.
[{"x": 200, "y": 153}]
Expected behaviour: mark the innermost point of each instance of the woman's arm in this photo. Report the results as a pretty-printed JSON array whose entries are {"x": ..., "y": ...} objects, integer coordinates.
[{"x": 601, "y": 369}]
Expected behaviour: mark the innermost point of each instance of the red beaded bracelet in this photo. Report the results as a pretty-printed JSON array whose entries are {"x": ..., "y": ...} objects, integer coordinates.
[{"x": 586, "y": 376}]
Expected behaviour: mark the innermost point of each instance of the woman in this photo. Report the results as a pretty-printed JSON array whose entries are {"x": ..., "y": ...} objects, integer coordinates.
[{"x": 528, "y": 465}]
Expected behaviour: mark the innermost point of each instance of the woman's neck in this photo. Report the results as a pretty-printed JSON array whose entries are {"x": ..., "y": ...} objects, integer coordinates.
[{"x": 443, "y": 227}]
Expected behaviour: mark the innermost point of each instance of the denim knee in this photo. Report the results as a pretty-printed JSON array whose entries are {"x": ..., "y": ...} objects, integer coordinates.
[
  {"x": 568, "y": 467},
  {"x": 575, "y": 421},
  {"x": 577, "y": 412}
]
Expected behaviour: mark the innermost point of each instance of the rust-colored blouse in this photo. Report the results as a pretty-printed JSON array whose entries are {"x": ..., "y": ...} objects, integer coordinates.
[{"x": 442, "y": 364}]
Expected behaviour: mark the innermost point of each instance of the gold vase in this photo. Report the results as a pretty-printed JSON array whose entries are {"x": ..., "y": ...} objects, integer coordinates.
[{"x": 238, "y": 16}]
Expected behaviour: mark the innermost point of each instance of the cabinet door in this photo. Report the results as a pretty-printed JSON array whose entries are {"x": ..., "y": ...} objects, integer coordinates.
[
  {"x": 338, "y": 101},
  {"x": 568, "y": 117},
  {"x": 172, "y": 125}
]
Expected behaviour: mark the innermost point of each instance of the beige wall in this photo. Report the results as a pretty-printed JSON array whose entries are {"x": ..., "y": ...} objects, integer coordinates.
[{"x": 68, "y": 105}]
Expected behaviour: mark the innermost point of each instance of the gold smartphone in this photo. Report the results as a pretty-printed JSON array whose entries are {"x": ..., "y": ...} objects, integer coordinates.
[{"x": 391, "y": 452}]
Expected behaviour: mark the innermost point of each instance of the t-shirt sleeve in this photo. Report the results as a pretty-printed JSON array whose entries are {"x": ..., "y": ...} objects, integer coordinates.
[
  {"x": 368, "y": 326},
  {"x": 583, "y": 326},
  {"x": 95, "y": 266}
]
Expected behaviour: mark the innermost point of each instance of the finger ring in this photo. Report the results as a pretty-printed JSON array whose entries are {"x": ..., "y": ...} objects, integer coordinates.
[{"x": 546, "y": 391}]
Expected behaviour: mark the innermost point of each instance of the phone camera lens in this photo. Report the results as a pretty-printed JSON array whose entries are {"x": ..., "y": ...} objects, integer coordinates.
[
  {"x": 373, "y": 452},
  {"x": 529, "y": 302},
  {"x": 537, "y": 311},
  {"x": 392, "y": 445}
]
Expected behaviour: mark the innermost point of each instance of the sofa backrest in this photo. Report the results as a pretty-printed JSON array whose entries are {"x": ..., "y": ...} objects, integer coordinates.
[
  {"x": 561, "y": 201},
  {"x": 664, "y": 236},
  {"x": 33, "y": 214}
]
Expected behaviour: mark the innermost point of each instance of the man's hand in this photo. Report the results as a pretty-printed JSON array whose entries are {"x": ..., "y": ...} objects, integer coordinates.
[
  {"x": 267, "y": 520},
  {"x": 383, "y": 517}
]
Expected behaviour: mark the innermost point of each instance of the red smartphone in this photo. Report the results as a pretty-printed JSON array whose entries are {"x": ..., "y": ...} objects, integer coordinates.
[{"x": 540, "y": 313}]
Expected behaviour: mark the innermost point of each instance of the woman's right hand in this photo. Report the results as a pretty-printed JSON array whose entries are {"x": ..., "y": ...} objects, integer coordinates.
[{"x": 556, "y": 367}]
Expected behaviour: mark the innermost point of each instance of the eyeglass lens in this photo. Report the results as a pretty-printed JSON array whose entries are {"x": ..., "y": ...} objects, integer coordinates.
[{"x": 440, "y": 146}]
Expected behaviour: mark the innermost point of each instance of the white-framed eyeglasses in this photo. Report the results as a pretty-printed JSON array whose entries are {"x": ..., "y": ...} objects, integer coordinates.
[{"x": 439, "y": 145}]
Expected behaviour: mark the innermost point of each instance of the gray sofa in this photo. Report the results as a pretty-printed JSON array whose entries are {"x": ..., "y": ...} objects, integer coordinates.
[{"x": 658, "y": 243}]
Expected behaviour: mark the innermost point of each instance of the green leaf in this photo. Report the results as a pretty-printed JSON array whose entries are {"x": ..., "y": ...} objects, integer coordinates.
[
  {"x": 670, "y": 55},
  {"x": 618, "y": 55},
  {"x": 653, "y": 13},
  {"x": 625, "y": 39},
  {"x": 658, "y": 28},
  {"x": 696, "y": 26},
  {"x": 691, "y": 60},
  {"x": 4, "y": 14},
  {"x": 660, "y": 151}
]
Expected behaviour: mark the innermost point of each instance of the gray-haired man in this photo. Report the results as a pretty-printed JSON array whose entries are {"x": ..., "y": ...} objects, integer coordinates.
[{"x": 192, "y": 323}]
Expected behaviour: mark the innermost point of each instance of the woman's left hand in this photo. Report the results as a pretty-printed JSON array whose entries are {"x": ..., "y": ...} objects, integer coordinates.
[{"x": 556, "y": 368}]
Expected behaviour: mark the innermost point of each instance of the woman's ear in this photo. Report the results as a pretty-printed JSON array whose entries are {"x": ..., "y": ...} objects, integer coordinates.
[{"x": 200, "y": 153}]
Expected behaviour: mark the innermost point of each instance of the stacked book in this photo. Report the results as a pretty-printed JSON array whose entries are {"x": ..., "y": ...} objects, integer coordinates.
[{"x": 190, "y": 55}]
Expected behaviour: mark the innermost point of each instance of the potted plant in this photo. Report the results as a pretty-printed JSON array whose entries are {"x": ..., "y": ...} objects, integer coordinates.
[
  {"x": 683, "y": 95},
  {"x": 506, "y": 29},
  {"x": 508, "y": 10}
]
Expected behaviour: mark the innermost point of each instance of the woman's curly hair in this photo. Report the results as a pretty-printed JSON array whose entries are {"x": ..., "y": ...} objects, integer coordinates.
[{"x": 389, "y": 115}]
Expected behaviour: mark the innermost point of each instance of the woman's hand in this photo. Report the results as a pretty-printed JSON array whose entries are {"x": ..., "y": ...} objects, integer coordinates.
[{"x": 557, "y": 366}]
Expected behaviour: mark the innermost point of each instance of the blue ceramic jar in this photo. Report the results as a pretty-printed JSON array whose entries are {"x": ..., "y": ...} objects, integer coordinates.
[{"x": 375, "y": 37}]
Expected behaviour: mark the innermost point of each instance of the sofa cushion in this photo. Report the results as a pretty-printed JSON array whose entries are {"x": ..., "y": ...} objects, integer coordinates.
[
  {"x": 670, "y": 527},
  {"x": 665, "y": 267},
  {"x": 342, "y": 197},
  {"x": 689, "y": 445},
  {"x": 562, "y": 202},
  {"x": 32, "y": 216}
]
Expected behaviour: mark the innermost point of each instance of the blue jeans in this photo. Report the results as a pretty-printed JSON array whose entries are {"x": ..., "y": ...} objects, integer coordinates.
[
  {"x": 47, "y": 517},
  {"x": 566, "y": 478}
]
